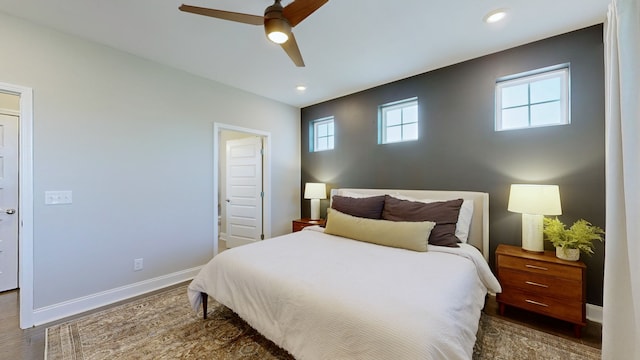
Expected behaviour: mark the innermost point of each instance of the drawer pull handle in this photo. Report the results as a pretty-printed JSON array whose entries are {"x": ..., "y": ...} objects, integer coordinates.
[
  {"x": 536, "y": 267},
  {"x": 536, "y": 303},
  {"x": 536, "y": 284}
]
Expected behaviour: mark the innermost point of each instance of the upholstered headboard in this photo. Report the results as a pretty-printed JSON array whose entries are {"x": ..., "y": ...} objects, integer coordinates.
[{"x": 479, "y": 229}]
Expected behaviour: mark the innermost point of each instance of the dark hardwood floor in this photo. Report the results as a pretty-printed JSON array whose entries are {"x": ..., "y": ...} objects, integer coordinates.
[{"x": 16, "y": 343}]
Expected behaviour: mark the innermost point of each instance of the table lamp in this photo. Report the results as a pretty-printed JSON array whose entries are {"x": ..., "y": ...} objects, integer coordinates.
[
  {"x": 315, "y": 192},
  {"x": 533, "y": 202}
]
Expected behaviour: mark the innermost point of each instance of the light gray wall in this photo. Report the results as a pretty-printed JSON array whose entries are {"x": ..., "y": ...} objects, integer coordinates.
[{"x": 133, "y": 140}]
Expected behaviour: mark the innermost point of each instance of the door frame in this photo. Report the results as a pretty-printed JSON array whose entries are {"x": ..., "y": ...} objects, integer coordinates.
[
  {"x": 25, "y": 202},
  {"x": 266, "y": 175}
]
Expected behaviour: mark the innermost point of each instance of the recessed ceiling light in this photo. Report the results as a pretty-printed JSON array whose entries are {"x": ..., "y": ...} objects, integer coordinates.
[
  {"x": 495, "y": 16},
  {"x": 301, "y": 88}
]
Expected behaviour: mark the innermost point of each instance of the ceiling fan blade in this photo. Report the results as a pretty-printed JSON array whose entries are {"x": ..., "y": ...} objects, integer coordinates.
[
  {"x": 300, "y": 9},
  {"x": 225, "y": 15},
  {"x": 291, "y": 48}
]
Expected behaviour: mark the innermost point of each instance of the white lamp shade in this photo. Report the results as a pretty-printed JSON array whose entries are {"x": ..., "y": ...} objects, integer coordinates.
[
  {"x": 535, "y": 199},
  {"x": 315, "y": 191}
]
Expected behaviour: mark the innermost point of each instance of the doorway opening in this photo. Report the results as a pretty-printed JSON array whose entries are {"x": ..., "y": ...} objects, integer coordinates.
[
  {"x": 243, "y": 216},
  {"x": 24, "y": 211},
  {"x": 9, "y": 121}
]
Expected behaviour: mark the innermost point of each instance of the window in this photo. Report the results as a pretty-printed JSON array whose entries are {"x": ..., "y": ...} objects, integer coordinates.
[
  {"x": 533, "y": 99},
  {"x": 398, "y": 121},
  {"x": 322, "y": 135}
]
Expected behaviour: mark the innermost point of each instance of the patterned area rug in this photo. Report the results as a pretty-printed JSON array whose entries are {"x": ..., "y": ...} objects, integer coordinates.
[
  {"x": 503, "y": 340},
  {"x": 163, "y": 326}
]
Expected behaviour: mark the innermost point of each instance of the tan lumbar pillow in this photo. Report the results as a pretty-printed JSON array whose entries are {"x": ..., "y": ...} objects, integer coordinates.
[{"x": 410, "y": 235}]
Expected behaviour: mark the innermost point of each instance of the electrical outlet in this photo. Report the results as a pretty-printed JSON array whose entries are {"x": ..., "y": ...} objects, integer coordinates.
[{"x": 138, "y": 264}]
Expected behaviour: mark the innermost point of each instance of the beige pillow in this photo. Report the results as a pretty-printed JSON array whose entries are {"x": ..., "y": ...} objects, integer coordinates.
[{"x": 410, "y": 235}]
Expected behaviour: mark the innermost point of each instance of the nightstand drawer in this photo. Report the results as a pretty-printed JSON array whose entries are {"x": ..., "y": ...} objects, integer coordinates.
[
  {"x": 542, "y": 285},
  {"x": 572, "y": 311},
  {"x": 540, "y": 267}
]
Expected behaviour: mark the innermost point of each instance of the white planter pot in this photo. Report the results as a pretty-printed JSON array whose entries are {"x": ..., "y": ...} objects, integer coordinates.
[{"x": 568, "y": 254}]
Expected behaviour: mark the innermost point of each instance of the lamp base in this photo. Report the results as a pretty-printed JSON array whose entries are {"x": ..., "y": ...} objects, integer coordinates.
[
  {"x": 532, "y": 239},
  {"x": 315, "y": 209}
]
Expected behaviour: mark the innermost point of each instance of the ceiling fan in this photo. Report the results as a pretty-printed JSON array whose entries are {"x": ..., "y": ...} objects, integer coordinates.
[{"x": 277, "y": 21}]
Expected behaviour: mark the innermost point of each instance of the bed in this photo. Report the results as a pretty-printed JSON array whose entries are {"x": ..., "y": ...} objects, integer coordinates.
[{"x": 321, "y": 295}]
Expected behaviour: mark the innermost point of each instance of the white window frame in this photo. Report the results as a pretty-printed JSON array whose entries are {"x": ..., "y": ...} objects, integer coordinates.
[
  {"x": 382, "y": 120},
  {"x": 314, "y": 133},
  {"x": 561, "y": 71}
]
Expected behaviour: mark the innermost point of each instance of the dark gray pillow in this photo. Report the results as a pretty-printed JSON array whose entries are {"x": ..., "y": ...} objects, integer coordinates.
[
  {"x": 367, "y": 207},
  {"x": 443, "y": 213}
]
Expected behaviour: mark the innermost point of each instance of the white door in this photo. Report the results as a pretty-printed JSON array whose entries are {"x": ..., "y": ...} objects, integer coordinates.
[
  {"x": 8, "y": 202},
  {"x": 244, "y": 191}
]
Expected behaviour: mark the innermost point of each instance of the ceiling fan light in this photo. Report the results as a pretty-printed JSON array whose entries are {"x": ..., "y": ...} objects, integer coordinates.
[
  {"x": 278, "y": 37},
  {"x": 277, "y": 30}
]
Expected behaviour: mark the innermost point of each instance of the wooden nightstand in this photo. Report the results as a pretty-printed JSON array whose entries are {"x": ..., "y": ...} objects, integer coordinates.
[
  {"x": 542, "y": 283},
  {"x": 299, "y": 224}
]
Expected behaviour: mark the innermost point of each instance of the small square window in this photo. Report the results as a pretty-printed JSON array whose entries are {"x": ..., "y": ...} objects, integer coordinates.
[
  {"x": 533, "y": 99},
  {"x": 322, "y": 134},
  {"x": 398, "y": 121}
]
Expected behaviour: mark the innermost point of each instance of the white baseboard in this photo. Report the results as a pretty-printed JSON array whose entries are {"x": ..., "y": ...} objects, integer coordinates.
[
  {"x": 594, "y": 313},
  {"x": 76, "y": 306}
]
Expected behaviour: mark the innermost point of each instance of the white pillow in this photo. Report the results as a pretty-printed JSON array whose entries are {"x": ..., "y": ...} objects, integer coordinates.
[
  {"x": 357, "y": 195},
  {"x": 464, "y": 216}
]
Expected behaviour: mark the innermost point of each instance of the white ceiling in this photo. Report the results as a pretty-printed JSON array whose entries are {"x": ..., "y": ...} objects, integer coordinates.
[{"x": 347, "y": 45}]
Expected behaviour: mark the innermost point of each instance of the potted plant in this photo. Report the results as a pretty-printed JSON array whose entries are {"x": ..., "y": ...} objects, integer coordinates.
[{"x": 570, "y": 242}]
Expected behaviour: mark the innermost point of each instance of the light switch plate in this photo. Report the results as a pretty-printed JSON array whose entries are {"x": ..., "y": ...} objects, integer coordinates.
[{"x": 58, "y": 197}]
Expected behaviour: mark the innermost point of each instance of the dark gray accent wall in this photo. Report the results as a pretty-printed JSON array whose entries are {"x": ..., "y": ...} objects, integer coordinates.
[{"x": 458, "y": 148}]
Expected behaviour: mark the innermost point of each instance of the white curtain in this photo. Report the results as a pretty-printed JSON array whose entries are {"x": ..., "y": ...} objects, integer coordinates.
[{"x": 621, "y": 314}]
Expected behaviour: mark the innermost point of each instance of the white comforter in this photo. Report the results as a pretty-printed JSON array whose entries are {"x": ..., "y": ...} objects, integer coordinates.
[{"x": 325, "y": 297}]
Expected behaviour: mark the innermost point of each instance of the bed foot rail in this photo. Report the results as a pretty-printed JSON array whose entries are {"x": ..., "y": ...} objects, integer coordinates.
[{"x": 205, "y": 299}]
